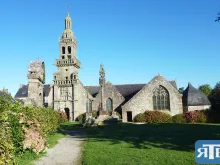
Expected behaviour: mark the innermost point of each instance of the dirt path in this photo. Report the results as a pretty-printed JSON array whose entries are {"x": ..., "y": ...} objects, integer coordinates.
[{"x": 66, "y": 152}]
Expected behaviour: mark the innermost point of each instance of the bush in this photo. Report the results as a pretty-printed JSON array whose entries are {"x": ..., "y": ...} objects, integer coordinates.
[
  {"x": 81, "y": 117},
  {"x": 157, "y": 117},
  {"x": 179, "y": 118},
  {"x": 196, "y": 117},
  {"x": 6, "y": 144},
  {"x": 140, "y": 118},
  {"x": 153, "y": 117},
  {"x": 201, "y": 117},
  {"x": 63, "y": 117},
  {"x": 213, "y": 116}
]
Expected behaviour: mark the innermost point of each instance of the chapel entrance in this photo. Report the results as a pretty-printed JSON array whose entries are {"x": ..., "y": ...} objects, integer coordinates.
[
  {"x": 67, "y": 112},
  {"x": 129, "y": 116}
]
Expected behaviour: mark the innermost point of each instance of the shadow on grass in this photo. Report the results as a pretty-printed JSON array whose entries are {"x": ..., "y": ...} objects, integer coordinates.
[{"x": 180, "y": 137}]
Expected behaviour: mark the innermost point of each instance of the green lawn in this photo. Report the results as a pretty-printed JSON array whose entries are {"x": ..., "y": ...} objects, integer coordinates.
[{"x": 146, "y": 143}]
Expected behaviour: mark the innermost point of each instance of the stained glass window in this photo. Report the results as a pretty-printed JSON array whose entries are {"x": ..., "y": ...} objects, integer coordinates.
[{"x": 161, "y": 100}]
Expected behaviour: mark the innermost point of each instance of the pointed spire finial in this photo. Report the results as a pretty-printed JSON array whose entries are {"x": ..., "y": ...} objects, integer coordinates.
[{"x": 68, "y": 9}]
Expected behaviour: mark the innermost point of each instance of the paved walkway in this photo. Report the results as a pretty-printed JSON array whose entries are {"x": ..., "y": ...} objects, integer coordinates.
[{"x": 66, "y": 152}]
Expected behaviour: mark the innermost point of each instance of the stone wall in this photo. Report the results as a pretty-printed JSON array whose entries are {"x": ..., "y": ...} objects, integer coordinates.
[
  {"x": 35, "y": 92},
  {"x": 193, "y": 108},
  {"x": 143, "y": 100},
  {"x": 109, "y": 92}
]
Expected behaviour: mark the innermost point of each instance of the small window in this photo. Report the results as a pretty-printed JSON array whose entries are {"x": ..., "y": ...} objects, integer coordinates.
[
  {"x": 69, "y": 49},
  {"x": 63, "y": 50},
  {"x": 69, "y": 57},
  {"x": 63, "y": 57},
  {"x": 74, "y": 76},
  {"x": 39, "y": 94},
  {"x": 66, "y": 69},
  {"x": 109, "y": 106},
  {"x": 54, "y": 77},
  {"x": 66, "y": 78}
]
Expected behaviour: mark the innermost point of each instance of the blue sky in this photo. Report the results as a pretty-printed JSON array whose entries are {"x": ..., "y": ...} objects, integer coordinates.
[{"x": 134, "y": 39}]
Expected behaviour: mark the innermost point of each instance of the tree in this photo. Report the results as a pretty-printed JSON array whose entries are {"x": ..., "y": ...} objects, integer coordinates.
[
  {"x": 206, "y": 89},
  {"x": 214, "y": 97},
  {"x": 181, "y": 90}
]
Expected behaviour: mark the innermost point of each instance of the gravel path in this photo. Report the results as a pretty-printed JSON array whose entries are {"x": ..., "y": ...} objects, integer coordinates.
[{"x": 66, "y": 152}]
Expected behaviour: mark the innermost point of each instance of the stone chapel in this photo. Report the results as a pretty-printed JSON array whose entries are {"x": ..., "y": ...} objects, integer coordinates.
[{"x": 67, "y": 93}]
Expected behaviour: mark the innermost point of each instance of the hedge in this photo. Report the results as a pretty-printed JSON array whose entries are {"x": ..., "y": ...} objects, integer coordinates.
[
  {"x": 153, "y": 117},
  {"x": 24, "y": 128}
]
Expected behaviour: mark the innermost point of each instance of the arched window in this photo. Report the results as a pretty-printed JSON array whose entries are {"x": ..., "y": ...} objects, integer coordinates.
[
  {"x": 63, "y": 50},
  {"x": 109, "y": 106},
  {"x": 89, "y": 106},
  {"x": 161, "y": 99},
  {"x": 74, "y": 76},
  {"x": 69, "y": 49}
]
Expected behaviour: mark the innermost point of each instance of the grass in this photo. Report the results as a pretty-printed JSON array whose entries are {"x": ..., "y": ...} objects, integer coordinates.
[
  {"x": 168, "y": 144},
  {"x": 28, "y": 157}
]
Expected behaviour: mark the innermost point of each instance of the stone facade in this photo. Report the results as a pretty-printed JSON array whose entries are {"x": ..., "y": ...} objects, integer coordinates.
[
  {"x": 109, "y": 91},
  {"x": 143, "y": 100}
]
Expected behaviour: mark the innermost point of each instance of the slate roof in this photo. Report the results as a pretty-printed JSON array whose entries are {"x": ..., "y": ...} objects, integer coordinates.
[
  {"x": 194, "y": 97},
  {"x": 127, "y": 90},
  {"x": 23, "y": 91}
]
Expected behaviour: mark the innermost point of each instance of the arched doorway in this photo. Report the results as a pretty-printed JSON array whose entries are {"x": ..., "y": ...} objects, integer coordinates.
[{"x": 67, "y": 112}]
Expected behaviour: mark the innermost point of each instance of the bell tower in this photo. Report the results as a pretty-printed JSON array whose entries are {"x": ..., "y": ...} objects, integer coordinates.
[{"x": 66, "y": 79}]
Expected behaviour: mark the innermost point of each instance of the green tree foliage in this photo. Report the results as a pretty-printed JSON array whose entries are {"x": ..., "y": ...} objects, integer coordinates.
[
  {"x": 206, "y": 89},
  {"x": 214, "y": 97},
  {"x": 181, "y": 90}
]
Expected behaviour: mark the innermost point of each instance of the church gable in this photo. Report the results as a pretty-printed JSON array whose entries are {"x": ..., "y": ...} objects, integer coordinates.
[
  {"x": 111, "y": 95},
  {"x": 143, "y": 100}
]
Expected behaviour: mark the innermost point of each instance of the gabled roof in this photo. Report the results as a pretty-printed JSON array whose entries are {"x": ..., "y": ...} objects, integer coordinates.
[
  {"x": 127, "y": 90},
  {"x": 194, "y": 97},
  {"x": 23, "y": 91}
]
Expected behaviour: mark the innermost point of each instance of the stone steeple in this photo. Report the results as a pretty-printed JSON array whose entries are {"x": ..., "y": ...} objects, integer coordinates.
[
  {"x": 102, "y": 84},
  {"x": 66, "y": 79},
  {"x": 101, "y": 76}
]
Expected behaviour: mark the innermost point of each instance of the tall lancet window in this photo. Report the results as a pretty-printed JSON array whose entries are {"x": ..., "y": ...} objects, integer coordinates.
[
  {"x": 89, "y": 106},
  {"x": 69, "y": 49},
  {"x": 161, "y": 99},
  {"x": 109, "y": 106}
]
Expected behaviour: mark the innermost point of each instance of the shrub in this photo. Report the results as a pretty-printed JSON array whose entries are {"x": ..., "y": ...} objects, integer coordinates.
[
  {"x": 153, "y": 117},
  {"x": 140, "y": 118},
  {"x": 6, "y": 144},
  {"x": 94, "y": 113},
  {"x": 179, "y": 118},
  {"x": 191, "y": 117},
  {"x": 213, "y": 116},
  {"x": 63, "y": 117},
  {"x": 81, "y": 117},
  {"x": 157, "y": 117},
  {"x": 196, "y": 117},
  {"x": 201, "y": 117}
]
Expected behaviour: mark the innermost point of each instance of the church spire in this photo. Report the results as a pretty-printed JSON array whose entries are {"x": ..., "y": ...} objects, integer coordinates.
[
  {"x": 101, "y": 76},
  {"x": 68, "y": 22}
]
